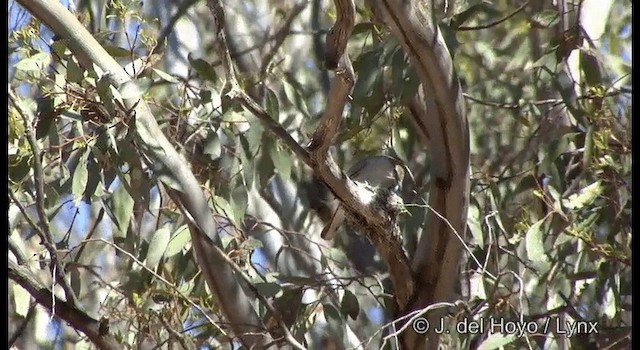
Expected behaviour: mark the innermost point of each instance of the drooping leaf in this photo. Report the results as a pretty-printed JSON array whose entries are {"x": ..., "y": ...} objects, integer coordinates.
[
  {"x": 584, "y": 196},
  {"x": 272, "y": 105},
  {"x": 350, "y": 305},
  {"x": 122, "y": 205},
  {"x": 116, "y": 51},
  {"x": 545, "y": 18},
  {"x": 37, "y": 62},
  {"x": 157, "y": 247},
  {"x": 534, "y": 240},
  {"x": 75, "y": 73},
  {"x": 239, "y": 203},
  {"x": 80, "y": 178},
  {"x": 178, "y": 241},
  {"x": 21, "y": 298},
  {"x": 282, "y": 159},
  {"x": 203, "y": 68},
  {"x": 268, "y": 289},
  {"x": 165, "y": 76},
  {"x": 213, "y": 146},
  {"x": 223, "y": 207}
]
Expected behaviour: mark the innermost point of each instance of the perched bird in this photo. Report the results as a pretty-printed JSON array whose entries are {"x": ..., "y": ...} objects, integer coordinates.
[{"x": 378, "y": 171}]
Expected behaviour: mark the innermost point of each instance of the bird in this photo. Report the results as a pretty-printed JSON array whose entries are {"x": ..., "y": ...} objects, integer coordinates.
[{"x": 377, "y": 171}]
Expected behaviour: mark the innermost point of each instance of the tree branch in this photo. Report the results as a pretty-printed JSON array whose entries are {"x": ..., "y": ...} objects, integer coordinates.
[
  {"x": 340, "y": 32},
  {"x": 321, "y": 161},
  {"x": 439, "y": 251},
  {"x": 167, "y": 164},
  {"x": 63, "y": 309}
]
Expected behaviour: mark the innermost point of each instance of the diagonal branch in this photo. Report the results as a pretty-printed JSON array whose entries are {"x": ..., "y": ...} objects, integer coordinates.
[
  {"x": 63, "y": 309},
  {"x": 280, "y": 36}
]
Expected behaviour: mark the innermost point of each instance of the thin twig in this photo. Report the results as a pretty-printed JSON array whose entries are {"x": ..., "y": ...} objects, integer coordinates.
[
  {"x": 492, "y": 24},
  {"x": 90, "y": 234},
  {"x": 281, "y": 35}
]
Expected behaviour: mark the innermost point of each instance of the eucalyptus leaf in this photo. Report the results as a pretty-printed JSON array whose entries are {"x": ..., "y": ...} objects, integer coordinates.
[
  {"x": 239, "y": 203},
  {"x": 80, "y": 178},
  {"x": 122, "y": 206},
  {"x": 350, "y": 305},
  {"x": 178, "y": 241},
  {"x": 21, "y": 299},
  {"x": 157, "y": 247},
  {"x": 534, "y": 240}
]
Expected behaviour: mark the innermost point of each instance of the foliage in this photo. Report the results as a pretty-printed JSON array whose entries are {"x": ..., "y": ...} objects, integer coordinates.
[{"x": 549, "y": 220}]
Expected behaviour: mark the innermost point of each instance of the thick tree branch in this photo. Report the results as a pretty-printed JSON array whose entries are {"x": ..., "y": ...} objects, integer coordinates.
[
  {"x": 165, "y": 161},
  {"x": 439, "y": 250},
  {"x": 340, "y": 32},
  {"x": 63, "y": 309}
]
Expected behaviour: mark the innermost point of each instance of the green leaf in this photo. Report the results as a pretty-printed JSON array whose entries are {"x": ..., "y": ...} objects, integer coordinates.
[
  {"x": 205, "y": 96},
  {"x": 203, "y": 68},
  {"x": 222, "y": 207},
  {"x": 75, "y": 73},
  {"x": 585, "y": 196},
  {"x": 545, "y": 18},
  {"x": 76, "y": 281},
  {"x": 157, "y": 247},
  {"x": 534, "y": 240},
  {"x": 93, "y": 180},
  {"x": 272, "y": 105},
  {"x": 122, "y": 204},
  {"x": 268, "y": 289},
  {"x": 21, "y": 298},
  {"x": 350, "y": 305},
  {"x": 362, "y": 27},
  {"x": 368, "y": 69},
  {"x": 166, "y": 76},
  {"x": 116, "y": 51},
  {"x": 37, "y": 62},
  {"x": 496, "y": 341},
  {"x": 239, "y": 203},
  {"x": 135, "y": 89},
  {"x": 80, "y": 178},
  {"x": 590, "y": 67},
  {"x": 185, "y": 288},
  {"x": 178, "y": 240},
  {"x": 404, "y": 79},
  {"x": 45, "y": 117},
  {"x": 19, "y": 167},
  {"x": 213, "y": 146},
  {"x": 587, "y": 156},
  {"x": 462, "y": 17},
  {"x": 331, "y": 314},
  {"x": 475, "y": 224},
  {"x": 282, "y": 160}
]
